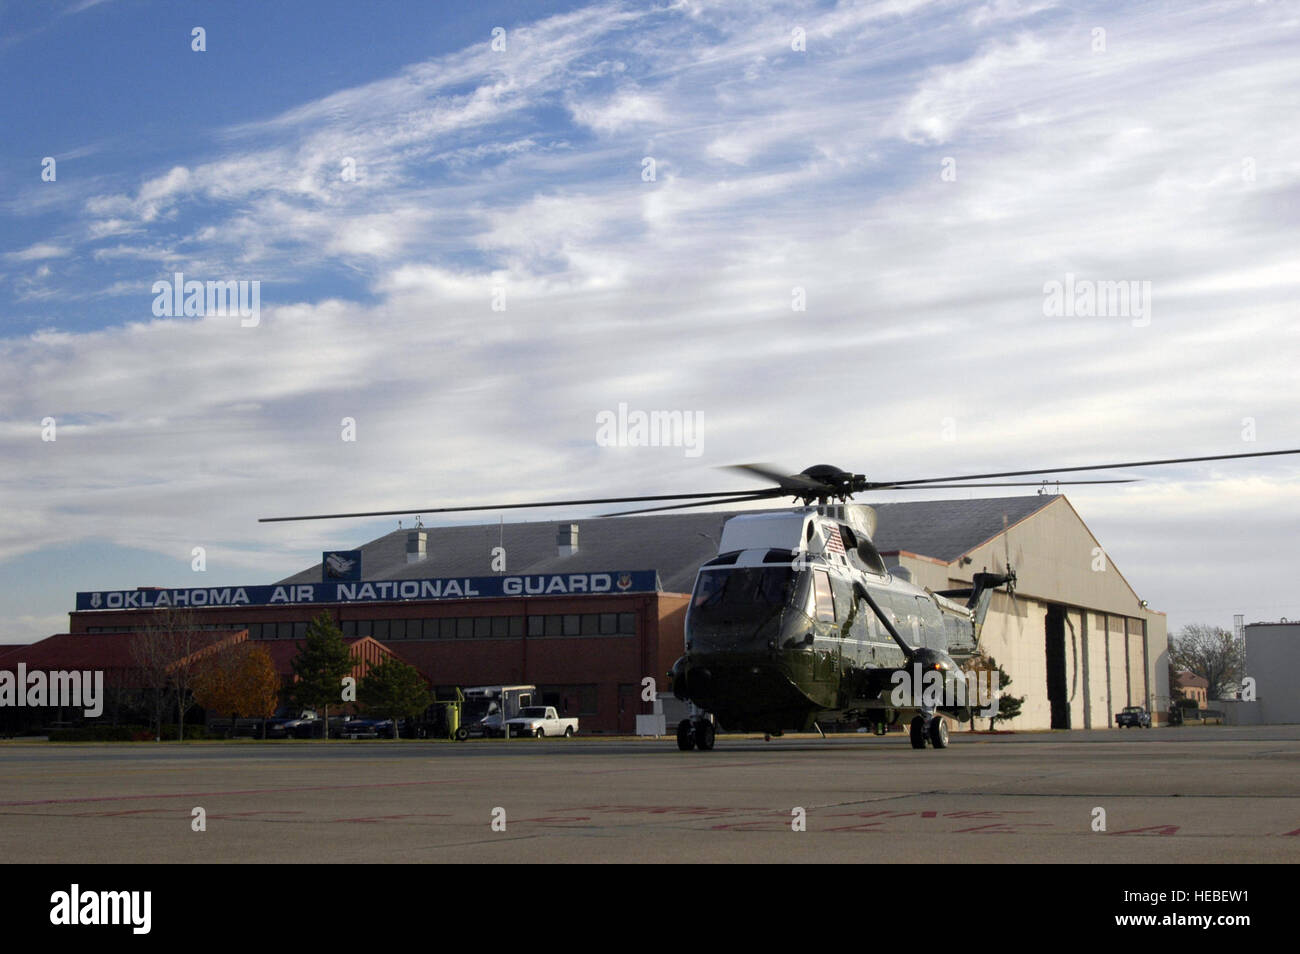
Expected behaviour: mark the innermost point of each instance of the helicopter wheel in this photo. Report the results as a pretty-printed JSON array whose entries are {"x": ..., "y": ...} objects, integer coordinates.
[
  {"x": 938, "y": 733},
  {"x": 704, "y": 734},
  {"x": 918, "y": 732},
  {"x": 685, "y": 735}
]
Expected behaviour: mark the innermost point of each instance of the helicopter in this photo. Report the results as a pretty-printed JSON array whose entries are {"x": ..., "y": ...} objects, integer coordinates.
[{"x": 798, "y": 620}]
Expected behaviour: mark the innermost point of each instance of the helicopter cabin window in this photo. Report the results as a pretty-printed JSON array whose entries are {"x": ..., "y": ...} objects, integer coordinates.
[
  {"x": 824, "y": 602},
  {"x": 843, "y": 593}
]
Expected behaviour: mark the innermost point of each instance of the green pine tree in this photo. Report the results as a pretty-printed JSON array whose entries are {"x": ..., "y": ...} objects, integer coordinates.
[
  {"x": 1008, "y": 705},
  {"x": 322, "y": 662},
  {"x": 394, "y": 690}
]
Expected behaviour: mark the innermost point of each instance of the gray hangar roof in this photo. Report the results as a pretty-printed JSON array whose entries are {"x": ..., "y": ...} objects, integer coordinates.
[{"x": 673, "y": 544}]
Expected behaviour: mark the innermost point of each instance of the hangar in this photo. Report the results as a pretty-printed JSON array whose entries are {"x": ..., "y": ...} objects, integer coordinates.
[{"x": 587, "y": 610}]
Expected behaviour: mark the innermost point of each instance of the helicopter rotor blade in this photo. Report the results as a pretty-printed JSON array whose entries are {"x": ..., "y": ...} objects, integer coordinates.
[
  {"x": 764, "y": 495},
  {"x": 1029, "y": 483},
  {"x": 775, "y": 492},
  {"x": 884, "y": 485},
  {"x": 1009, "y": 570},
  {"x": 791, "y": 482}
]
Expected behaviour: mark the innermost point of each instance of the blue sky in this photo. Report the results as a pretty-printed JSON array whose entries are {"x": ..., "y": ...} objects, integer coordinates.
[{"x": 921, "y": 171}]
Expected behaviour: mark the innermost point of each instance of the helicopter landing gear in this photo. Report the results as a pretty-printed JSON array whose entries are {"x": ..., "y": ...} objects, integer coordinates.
[
  {"x": 930, "y": 729},
  {"x": 704, "y": 734},
  {"x": 697, "y": 734}
]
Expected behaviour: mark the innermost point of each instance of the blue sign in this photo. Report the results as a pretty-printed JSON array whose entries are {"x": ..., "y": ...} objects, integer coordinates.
[
  {"x": 378, "y": 591},
  {"x": 342, "y": 565}
]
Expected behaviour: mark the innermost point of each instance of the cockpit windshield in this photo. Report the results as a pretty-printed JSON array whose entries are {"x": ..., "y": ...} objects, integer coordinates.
[{"x": 741, "y": 594}]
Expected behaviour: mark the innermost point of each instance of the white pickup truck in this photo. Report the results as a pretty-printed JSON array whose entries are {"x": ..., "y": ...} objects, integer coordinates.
[{"x": 541, "y": 721}]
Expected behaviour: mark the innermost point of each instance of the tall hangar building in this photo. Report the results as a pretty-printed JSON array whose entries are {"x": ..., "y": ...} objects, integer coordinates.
[{"x": 586, "y": 611}]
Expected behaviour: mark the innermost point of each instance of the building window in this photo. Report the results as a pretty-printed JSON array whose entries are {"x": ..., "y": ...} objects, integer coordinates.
[
  {"x": 570, "y": 700},
  {"x": 500, "y": 627},
  {"x": 482, "y": 627},
  {"x": 349, "y": 628},
  {"x": 536, "y": 625},
  {"x": 397, "y": 629},
  {"x": 430, "y": 628},
  {"x": 591, "y": 624},
  {"x": 465, "y": 628},
  {"x": 627, "y": 624},
  {"x": 516, "y": 626},
  {"x": 572, "y": 625},
  {"x": 609, "y": 624},
  {"x": 554, "y": 625}
]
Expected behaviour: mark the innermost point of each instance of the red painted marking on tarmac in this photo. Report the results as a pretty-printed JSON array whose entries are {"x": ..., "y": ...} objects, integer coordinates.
[
  {"x": 1158, "y": 829},
  {"x": 930, "y": 813},
  {"x": 863, "y": 827},
  {"x": 659, "y": 810},
  {"x": 379, "y": 818},
  {"x": 250, "y": 791},
  {"x": 1001, "y": 828},
  {"x": 1291, "y": 834},
  {"x": 553, "y": 819},
  {"x": 751, "y": 826}
]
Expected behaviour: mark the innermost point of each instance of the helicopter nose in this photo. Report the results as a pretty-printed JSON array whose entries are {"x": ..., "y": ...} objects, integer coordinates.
[{"x": 698, "y": 682}]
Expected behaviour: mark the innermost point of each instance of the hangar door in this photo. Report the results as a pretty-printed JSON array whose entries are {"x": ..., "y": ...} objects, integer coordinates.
[{"x": 1057, "y": 684}]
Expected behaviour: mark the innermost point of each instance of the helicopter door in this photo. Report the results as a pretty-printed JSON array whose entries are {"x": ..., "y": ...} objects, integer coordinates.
[{"x": 826, "y": 661}]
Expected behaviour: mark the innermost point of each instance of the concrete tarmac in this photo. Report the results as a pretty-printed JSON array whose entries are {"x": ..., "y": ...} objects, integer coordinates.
[{"x": 1194, "y": 794}]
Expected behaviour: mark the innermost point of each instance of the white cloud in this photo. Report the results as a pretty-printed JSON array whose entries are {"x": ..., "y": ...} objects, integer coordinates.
[
  {"x": 37, "y": 252},
  {"x": 626, "y": 109},
  {"x": 775, "y": 171}
]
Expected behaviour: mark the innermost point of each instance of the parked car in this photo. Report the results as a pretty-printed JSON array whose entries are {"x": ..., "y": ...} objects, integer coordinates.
[
  {"x": 363, "y": 728},
  {"x": 541, "y": 721},
  {"x": 1133, "y": 716},
  {"x": 353, "y": 728},
  {"x": 292, "y": 727}
]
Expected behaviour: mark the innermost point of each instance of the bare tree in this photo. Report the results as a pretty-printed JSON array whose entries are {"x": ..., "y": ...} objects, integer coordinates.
[
  {"x": 150, "y": 652},
  {"x": 166, "y": 652},
  {"x": 1212, "y": 653}
]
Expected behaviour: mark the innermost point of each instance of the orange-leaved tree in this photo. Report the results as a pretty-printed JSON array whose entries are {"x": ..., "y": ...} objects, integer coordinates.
[{"x": 240, "y": 680}]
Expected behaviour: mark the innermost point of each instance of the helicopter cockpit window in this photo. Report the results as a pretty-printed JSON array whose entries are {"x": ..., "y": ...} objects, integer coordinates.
[
  {"x": 745, "y": 594},
  {"x": 866, "y": 552}
]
